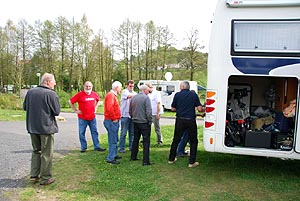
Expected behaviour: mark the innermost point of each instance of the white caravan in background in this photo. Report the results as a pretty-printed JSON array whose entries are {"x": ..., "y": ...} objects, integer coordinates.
[{"x": 168, "y": 89}]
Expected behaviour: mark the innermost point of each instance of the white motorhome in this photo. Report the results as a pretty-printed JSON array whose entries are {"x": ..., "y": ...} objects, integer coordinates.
[
  {"x": 253, "y": 76},
  {"x": 168, "y": 89}
]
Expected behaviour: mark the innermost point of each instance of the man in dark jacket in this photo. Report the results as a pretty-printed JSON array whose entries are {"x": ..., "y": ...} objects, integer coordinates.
[
  {"x": 141, "y": 113},
  {"x": 184, "y": 103},
  {"x": 42, "y": 105}
]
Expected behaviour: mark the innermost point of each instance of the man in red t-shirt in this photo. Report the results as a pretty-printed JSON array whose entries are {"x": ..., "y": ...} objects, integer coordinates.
[{"x": 87, "y": 106}]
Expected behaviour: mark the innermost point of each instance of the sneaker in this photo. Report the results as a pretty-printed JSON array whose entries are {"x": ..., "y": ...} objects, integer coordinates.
[
  {"x": 83, "y": 150},
  {"x": 160, "y": 144},
  {"x": 100, "y": 149},
  {"x": 193, "y": 165},
  {"x": 171, "y": 162}
]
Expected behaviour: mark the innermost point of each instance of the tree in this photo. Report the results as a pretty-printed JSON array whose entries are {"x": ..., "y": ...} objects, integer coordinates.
[
  {"x": 44, "y": 46},
  {"x": 123, "y": 38},
  {"x": 63, "y": 32},
  {"x": 191, "y": 59},
  {"x": 149, "y": 40},
  {"x": 166, "y": 41}
]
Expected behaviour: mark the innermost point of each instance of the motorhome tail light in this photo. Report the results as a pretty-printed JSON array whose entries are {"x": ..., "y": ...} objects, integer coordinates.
[
  {"x": 210, "y": 101},
  {"x": 210, "y": 94},
  {"x": 208, "y": 124},
  {"x": 209, "y": 109},
  {"x": 211, "y": 140}
]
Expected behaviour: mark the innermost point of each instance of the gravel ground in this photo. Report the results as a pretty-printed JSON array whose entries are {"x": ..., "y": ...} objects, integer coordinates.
[{"x": 16, "y": 148}]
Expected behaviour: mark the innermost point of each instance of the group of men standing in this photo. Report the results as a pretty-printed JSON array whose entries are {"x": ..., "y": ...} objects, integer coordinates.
[{"x": 136, "y": 112}]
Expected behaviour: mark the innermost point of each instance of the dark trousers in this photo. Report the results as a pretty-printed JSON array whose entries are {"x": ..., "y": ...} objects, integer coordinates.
[
  {"x": 41, "y": 157},
  {"x": 144, "y": 130},
  {"x": 180, "y": 126}
]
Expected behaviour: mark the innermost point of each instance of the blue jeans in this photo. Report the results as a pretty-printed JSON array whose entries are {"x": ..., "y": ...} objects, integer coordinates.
[
  {"x": 82, "y": 124},
  {"x": 183, "y": 141},
  {"x": 112, "y": 132},
  {"x": 126, "y": 125}
]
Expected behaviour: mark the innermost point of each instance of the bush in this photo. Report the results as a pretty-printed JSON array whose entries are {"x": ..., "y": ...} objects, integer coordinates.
[
  {"x": 64, "y": 99},
  {"x": 11, "y": 102}
]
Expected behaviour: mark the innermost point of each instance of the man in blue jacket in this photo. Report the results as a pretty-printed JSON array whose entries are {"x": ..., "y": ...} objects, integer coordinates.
[
  {"x": 42, "y": 105},
  {"x": 184, "y": 103}
]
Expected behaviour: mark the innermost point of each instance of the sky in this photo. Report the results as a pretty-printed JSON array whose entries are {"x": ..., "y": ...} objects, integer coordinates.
[{"x": 180, "y": 16}]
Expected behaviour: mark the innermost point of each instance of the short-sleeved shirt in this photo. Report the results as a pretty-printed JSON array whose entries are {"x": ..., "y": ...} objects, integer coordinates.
[
  {"x": 185, "y": 103},
  {"x": 86, "y": 104},
  {"x": 155, "y": 98}
]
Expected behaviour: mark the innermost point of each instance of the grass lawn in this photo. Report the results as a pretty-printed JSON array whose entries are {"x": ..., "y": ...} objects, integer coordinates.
[
  {"x": 86, "y": 176},
  {"x": 12, "y": 115}
]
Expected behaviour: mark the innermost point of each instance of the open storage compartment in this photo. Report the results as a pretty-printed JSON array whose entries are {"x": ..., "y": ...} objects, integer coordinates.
[{"x": 256, "y": 107}]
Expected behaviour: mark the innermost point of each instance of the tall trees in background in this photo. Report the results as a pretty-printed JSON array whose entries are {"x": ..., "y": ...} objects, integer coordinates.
[
  {"x": 74, "y": 53},
  {"x": 191, "y": 58}
]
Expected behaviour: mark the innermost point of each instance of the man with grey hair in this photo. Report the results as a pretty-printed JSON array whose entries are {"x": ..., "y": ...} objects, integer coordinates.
[
  {"x": 112, "y": 115},
  {"x": 157, "y": 110},
  {"x": 42, "y": 105},
  {"x": 87, "y": 101},
  {"x": 141, "y": 114},
  {"x": 184, "y": 103}
]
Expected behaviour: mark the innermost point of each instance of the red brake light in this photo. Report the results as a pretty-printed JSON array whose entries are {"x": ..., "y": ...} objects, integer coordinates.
[
  {"x": 209, "y": 109},
  {"x": 209, "y": 101}
]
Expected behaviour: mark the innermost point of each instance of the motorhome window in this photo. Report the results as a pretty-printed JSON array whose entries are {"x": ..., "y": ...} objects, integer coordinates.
[
  {"x": 266, "y": 37},
  {"x": 170, "y": 89}
]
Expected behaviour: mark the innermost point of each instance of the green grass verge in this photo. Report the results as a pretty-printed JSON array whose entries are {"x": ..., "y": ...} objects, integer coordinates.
[
  {"x": 86, "y": 176},
  {"x": 12, "y": 115}
]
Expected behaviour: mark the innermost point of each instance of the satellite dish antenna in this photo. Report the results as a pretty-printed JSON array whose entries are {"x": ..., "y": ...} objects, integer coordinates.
[{"x": 168, "y": 76}]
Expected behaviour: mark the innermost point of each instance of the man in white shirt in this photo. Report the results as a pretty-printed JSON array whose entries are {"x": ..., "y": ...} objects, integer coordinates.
[{"x": 157, "y": 110}]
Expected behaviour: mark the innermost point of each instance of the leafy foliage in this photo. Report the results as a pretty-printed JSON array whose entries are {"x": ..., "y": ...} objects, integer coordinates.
[{"x": 74, "y": 54}]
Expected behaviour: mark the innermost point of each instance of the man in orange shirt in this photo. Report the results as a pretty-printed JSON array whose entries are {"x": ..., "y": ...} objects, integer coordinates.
[{"x": 112, "y": 115}]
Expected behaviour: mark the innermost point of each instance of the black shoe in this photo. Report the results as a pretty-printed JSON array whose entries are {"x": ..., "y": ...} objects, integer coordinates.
[
  {"x": 134, "y": 159},
  {"x": 113, "y": 162},
  {"x": 100, "y": 149},
  {"x": 83, "y": 150},
  {"x": 144, "y": 164},
  {"x": 118, "y": 157}
]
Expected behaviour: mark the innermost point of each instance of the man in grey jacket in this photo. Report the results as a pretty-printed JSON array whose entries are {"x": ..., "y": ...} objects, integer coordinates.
[
  {"x": 42, "y": 105},
  {"x": 141, "y": 114}
]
